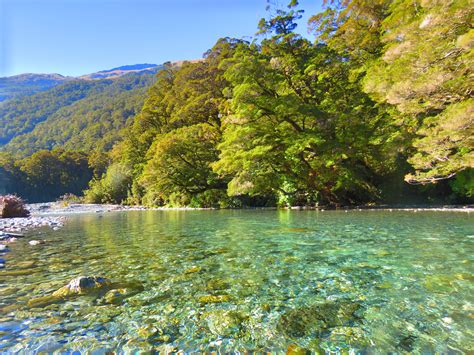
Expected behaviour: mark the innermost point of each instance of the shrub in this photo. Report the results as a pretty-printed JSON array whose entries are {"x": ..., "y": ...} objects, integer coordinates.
[{"x": 12, "y": 206}]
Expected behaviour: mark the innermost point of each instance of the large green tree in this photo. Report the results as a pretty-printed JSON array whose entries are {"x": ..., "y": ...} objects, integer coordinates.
[
  {"x": 417, "y": 56},
  {"x": 299, "y": 126}
]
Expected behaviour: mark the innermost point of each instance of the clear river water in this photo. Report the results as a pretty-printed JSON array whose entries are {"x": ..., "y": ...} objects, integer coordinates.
[{"x": 250, "y": 280}]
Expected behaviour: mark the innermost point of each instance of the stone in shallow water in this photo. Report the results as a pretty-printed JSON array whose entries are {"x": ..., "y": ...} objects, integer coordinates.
[
  {"x": 25, "y": 264},
  {"x": 18, "y": 272},
  {"x": 318, "y": 317},
  {"x": 224, "y": 323},
  {"x": 214, "y": 299},
  {"x": 216, "y": 285},
  {"x": 117, "y": 296},
  {"x": 193, "y": 270},
  {"x": 41, "y": 302},
  {"x": 81, "y": 285},
  {"x": 294, "y": 349}
]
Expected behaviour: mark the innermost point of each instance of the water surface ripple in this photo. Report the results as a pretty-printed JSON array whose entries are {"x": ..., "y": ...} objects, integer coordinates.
[{"x": 233, "y": 281}]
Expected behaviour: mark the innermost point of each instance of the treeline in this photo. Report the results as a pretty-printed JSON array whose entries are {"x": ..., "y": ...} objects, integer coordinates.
[
  {"x": 378, "y": 108},
  {"x": 47, "y": 175}
]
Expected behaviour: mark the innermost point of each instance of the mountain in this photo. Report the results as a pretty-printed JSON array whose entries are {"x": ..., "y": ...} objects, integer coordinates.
[
  {"x": 28, "y": 84},
  {"x": 85, "y": 113},
  {"x": 123, "y": 70},
  {"x": 78, "y": 115}
]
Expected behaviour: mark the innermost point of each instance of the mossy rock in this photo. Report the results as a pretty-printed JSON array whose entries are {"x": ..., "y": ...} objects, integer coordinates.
[
  {"x": 294, "y": 349},
  {"x": 82, "y": 285},
  {"x": 117, "y": 296},
  {"x": 224, "y": 323},
  {"x": 193, "y": 270},
  {"x": 42, "y": 302},
  {"x": 317, "y": 318},
  {"x": 217, "y": 285},
  {"x": 214, "y": 299}
]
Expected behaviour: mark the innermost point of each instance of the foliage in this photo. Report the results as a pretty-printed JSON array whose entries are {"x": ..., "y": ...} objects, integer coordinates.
[
  {"x": 79, "y": 115},
  {"x": 12, "y": 206},
  {"x": 416, "y": 56},
  {"x": 46, "y": 175},
  {"x": 113, "y": 187},
  {"x": 385, "y": 91},
  {"x": 295, "y": 130}
]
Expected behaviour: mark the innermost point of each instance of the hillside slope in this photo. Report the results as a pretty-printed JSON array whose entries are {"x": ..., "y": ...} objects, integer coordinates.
[
  {"x": 28, "y": 84},
  {"x": 80, "y": 115}
]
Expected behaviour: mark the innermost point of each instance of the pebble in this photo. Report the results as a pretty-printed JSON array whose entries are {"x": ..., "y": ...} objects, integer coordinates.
[{"x": 36, "y": 242}]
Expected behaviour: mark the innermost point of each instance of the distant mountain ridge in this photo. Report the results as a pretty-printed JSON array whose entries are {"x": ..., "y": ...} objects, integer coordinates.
[
  {"x": 76, "y": 113},
  {"x": 28, "y": 84},
  {"x": 131, "y": 67},
  {"x": 123, "y": 70}
]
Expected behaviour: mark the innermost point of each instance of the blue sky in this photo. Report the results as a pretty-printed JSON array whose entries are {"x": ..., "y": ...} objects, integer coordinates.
[{"x": 74, "y": 37}]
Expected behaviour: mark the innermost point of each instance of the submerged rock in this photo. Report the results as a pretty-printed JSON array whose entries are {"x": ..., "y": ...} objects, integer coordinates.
[
  {"x": 81, "y": 285},
  {"x": 118, "y": 295},
  {"x": 41, "y": 302},
  {"x": 224, "y": 323},
  {"x": 217, "y": 285},
  {"x": 36, "y": 242},
  {"x": 319, "y": 317},
  {"x": 294, "y": 349},
  {"x": 193, "y": 270},
  {"x": 214, "y": 299}
]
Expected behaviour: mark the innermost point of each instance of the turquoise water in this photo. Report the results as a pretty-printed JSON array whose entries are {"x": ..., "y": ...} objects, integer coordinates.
[{"x": 362, "y": 281}]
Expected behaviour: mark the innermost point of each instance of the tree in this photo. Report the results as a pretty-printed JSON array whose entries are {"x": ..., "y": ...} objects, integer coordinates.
[
  {"x": 416, "y": 56},
  {"x": 299, "y": 127},
  {"x": 179, "y": 164}
]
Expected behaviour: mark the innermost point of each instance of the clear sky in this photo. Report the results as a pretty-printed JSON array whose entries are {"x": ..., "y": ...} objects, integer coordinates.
[{"x": 75, "y": 37}]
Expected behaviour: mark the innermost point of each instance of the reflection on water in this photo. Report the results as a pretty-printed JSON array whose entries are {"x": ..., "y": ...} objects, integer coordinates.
[{"x": 246, "y": 280}]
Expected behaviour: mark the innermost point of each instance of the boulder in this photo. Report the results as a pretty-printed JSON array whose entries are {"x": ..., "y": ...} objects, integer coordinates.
[{"x": 81, "y": 285}]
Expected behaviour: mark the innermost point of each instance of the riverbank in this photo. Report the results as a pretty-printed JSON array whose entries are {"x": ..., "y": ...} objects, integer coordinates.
[{"x": 54, "y": 214}]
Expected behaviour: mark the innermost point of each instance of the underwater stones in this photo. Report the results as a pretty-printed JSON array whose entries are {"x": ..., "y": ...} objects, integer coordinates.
[
  {"x": 214, "y": 299},
  {"x": 294, "y": 349},
  {"x": 81, "y": 285},
  {"x": 348, "y": 335},
  {"x": 41, "y": 302},
  {"x": 439, "y": 283},
  {"x": 216, "y": 285},
  {"x": 117, "y": 296},
  {"x": 25, "y": 264},
  {"x": 193, "y": 270},
  {"x": 224, "y": 323},
  {"x": 36, "y": 242},
  {"x": 316, "y": 318},
  {"x": 18, "y": 272},
  {"x": 382, "y": 253}
]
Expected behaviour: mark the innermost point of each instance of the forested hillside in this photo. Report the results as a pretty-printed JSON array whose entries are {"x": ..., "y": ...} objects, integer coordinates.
[
  {"x": 28, "y": 84},
  {"x": 377, "y": 109},
  {"x": 77, "y": 115},
  {"x": 88, "y": 115}
]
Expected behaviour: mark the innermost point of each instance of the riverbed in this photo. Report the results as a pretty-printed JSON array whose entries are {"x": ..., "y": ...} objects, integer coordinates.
[{"x": 258, "y": 280}]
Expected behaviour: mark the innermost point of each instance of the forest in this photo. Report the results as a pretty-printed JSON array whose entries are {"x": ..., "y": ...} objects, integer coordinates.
[{"x": 376, "y": 109}]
